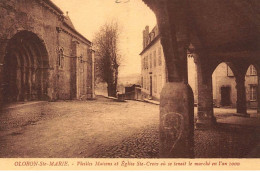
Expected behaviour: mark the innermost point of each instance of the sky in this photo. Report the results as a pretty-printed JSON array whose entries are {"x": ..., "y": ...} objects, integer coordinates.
[{"x": 133, "y": 15}]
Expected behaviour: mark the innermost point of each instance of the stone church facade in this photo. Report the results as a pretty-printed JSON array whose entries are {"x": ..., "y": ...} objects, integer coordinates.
[{"x": 42, "y": 55}]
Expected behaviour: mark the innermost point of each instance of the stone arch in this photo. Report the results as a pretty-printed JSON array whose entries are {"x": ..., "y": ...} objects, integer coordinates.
[
  {"x": 224, "y": 85},
  {"x": 26, "y": 66},
  {"x": 230, "y": 64}
]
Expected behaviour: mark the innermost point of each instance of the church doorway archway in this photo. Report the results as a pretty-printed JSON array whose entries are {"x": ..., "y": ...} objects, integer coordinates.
[{"x": 26, "y": 67}]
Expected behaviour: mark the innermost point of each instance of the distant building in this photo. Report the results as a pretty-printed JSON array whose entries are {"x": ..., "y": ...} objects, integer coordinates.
[
  {"x": 224, "y": 86},
  {"x": 153, "y": 75},
  {"x": 153, "y": 64},
  {"x": 153, "y": 70},
  {"x": 133, "y": 92}
]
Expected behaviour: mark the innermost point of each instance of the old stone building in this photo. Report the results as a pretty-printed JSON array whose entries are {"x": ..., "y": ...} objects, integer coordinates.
[
  {"x": 42, "y": 55},
  {"x": 153, "y": 69},
  {"x": 153, "y": 75},
  {"x": 214, "y": 32},
  {"x": 224, "y": 86}
]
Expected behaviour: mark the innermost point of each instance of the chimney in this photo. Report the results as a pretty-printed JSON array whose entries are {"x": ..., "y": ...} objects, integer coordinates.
[
  {"x": 145, "y": 36},
  {"x": 147, "y": 29}
]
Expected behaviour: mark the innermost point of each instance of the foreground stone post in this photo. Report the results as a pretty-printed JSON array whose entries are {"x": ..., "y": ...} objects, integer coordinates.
[
  {"x": 205, "y": 115},
  {"x": 241, "y": 94},
  {"x": 176, "y": 121},
  {"x": 176, "y": 100}
]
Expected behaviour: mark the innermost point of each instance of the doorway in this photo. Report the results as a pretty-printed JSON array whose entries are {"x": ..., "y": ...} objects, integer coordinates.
[
  {"x": 26, "y": 67},
  {"x": 225, "y": 96}
]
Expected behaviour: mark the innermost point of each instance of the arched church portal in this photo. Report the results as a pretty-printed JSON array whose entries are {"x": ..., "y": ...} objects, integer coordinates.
[{"x": 26, "y": 67}]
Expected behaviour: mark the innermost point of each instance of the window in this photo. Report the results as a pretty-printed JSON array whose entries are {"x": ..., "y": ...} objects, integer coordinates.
[
  {"x": 146, "y": 62},
  {"x": 147, "y": 83},
  {"x": 143, "y": 63},
  {"x": 154, "y": 57},
  {"x": 252, "y": 70},
  {"x": 159, "y": 56},
  {"x": 61, "y": 58},
  {"x": 253, "y": 92}
]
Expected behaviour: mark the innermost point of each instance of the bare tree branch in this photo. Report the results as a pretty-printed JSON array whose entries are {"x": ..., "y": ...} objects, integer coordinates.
[{"x": 107, "y": 55}]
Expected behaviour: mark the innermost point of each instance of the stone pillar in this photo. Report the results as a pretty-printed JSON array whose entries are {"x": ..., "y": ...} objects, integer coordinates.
[
  {"x": 196, "y": 82},
  {"x": 44, "y": 82},
  {"x": 30, "y": 83},
  {"x": 176, "y": 100},
  {"x": 27, "y": 82},
  {"x": 258, "y": 93},
  {"x": 241, "y": 95},
  {"x": 93, "y": 74},
  {"x": 3, "y": 44},
  {"x": 205, "y": 116},
  {"x": 90, "y": 74},
  {"x": 176, "y": 121},
  {"x": 24, "y": 86},
  {"x": 1, "y": 81},
  {"x": 33, "y": 90},
  {"x": 18, "y": 79},
  {"x": 74, "y": 71}
]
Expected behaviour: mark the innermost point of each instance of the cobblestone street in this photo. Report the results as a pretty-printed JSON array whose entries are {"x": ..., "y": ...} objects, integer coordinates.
[
  {"x": 215, "y": 143},
  {"x": 104, "y": 128}
]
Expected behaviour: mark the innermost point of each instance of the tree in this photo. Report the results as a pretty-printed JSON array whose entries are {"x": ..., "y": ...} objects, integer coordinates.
[{"x": 106, "y": 43}]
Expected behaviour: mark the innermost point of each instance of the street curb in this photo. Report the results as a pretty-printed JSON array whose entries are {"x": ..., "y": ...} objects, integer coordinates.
[
  {"x": 112, "y": 98},
  {"x": 152, "y": 102}
]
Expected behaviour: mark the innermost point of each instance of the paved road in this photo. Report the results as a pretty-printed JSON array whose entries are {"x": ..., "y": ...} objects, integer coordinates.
[
  {"x": 71, "y": 129},
  {"x": 103, "y": 128}
]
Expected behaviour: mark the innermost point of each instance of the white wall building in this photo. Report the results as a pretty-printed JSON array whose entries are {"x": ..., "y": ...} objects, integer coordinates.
[{"x": 153, "y": 75}]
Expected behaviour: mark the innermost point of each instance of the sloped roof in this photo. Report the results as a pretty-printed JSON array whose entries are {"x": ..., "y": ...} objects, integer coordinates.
[
  {"x": 53, "y": 6},
  {"x": 68, "y": 21}
]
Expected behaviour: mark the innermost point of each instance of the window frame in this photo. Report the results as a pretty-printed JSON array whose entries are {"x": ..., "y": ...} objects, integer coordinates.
[{"x": 253, "y": 93}]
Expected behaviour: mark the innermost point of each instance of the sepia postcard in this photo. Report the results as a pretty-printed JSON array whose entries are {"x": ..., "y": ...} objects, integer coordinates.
[{"x": 129, "y": 85}]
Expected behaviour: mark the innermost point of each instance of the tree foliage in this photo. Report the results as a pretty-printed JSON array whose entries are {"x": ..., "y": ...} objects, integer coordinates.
[{"x": 106, "y": 43}]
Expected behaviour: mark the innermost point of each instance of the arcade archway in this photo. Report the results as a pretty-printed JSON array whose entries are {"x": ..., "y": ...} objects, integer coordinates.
[{"x": 26, "y": 67}]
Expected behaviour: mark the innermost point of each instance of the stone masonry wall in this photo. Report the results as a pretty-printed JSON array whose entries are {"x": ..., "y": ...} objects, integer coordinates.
[{"x": 46, "y": 21}]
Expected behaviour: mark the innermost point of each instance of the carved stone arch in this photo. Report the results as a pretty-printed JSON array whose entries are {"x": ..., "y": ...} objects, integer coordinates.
[
  {"x": 30, "y": 52},
  {"x": 32, "y": 56},
  {"x": 3, "y": 45}
]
